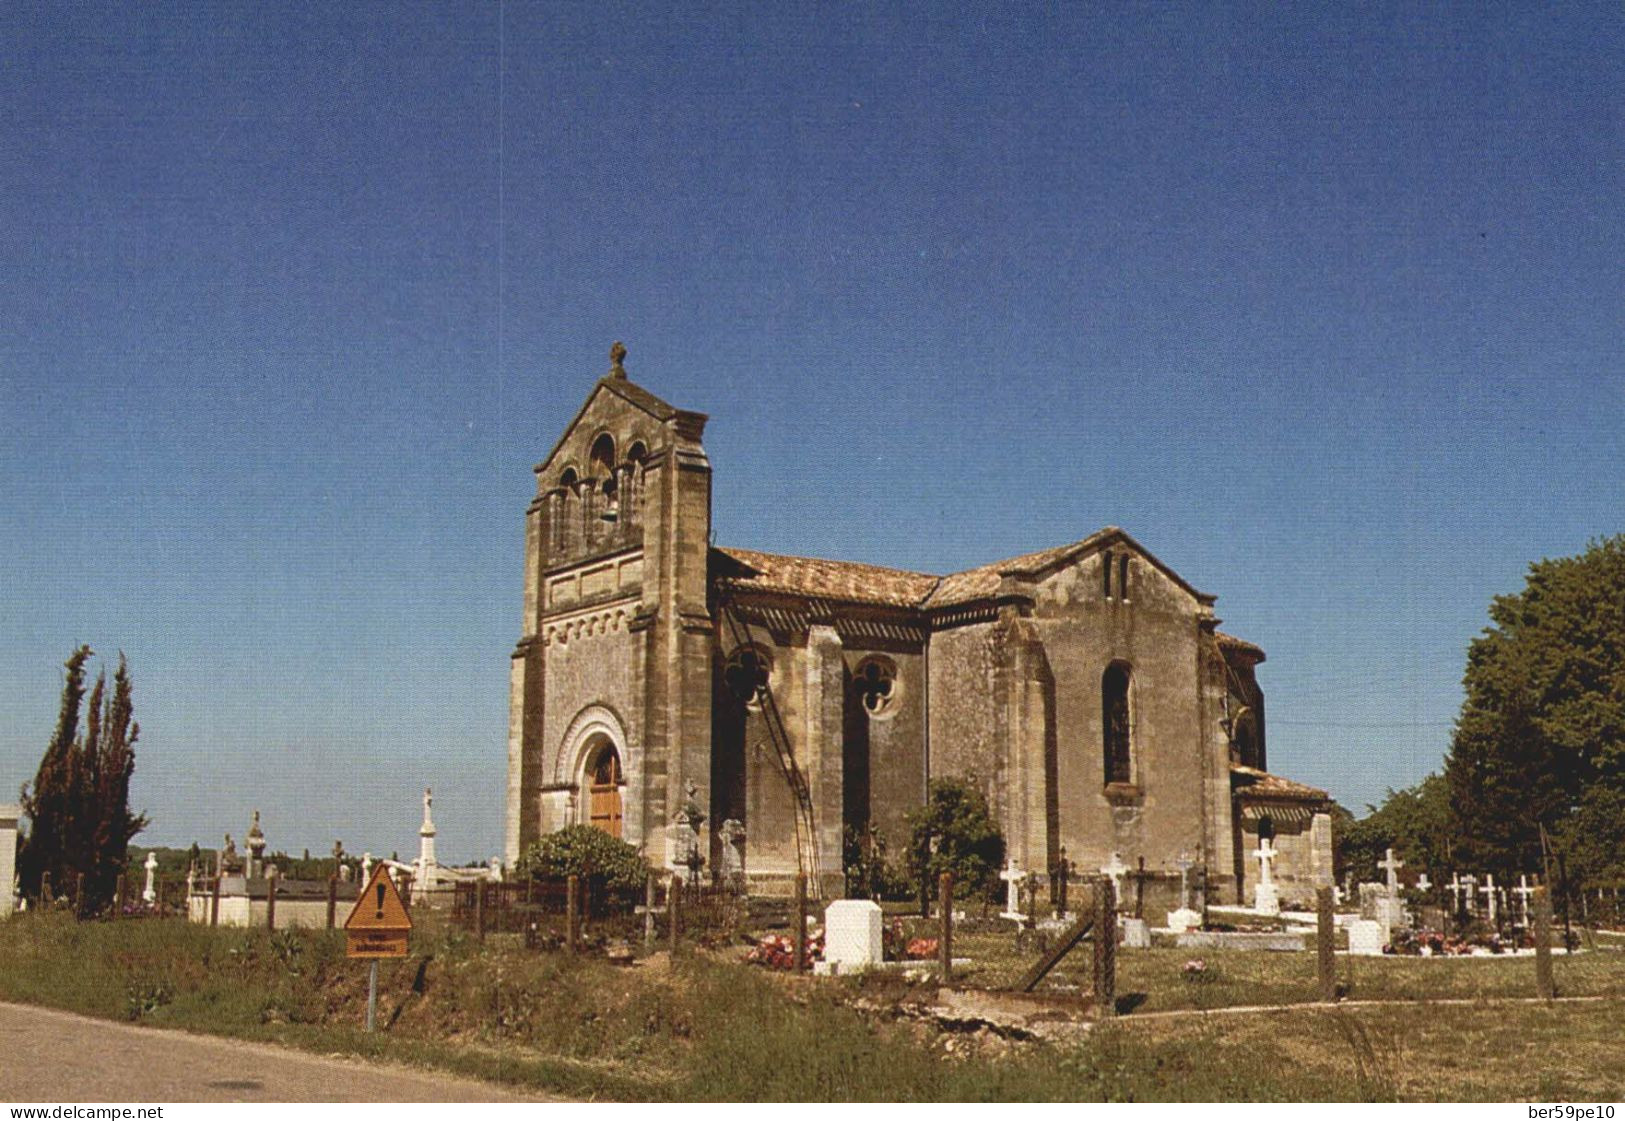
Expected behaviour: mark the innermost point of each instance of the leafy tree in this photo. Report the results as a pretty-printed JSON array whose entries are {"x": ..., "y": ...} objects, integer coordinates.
[
  {"x": 1537, "y": 763},
  {"x": 581, "y": 849},
  {"x": 1415, "y": 822},
  {"x": 78, "y": 803},
  {"x": 955, "y": 832}
]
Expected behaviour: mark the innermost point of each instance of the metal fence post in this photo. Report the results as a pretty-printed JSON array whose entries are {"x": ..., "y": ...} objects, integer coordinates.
[
  {"x": 945, "y": 942},
  {"x": 479, "y": 909},
  {"x": 798, "y": 922},
  {"x": 270, "y": 903},
  {"x": 214, "y": 903},
  {"x": 332, "y": 899},
  {"x": 674, "y": 895},
  {"x": 1325, "y": 945},
  {"x": 572, "y": 912}
]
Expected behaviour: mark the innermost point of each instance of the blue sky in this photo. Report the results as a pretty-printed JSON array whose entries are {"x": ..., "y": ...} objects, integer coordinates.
[{"x": 1323, "y": 306}]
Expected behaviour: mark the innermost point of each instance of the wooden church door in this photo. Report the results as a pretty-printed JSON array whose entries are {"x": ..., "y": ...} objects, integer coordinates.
[{"x": 604, "y": 793}]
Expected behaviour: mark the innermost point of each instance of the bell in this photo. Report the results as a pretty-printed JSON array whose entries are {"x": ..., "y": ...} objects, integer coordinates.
[{"x": 612, "y": 508}]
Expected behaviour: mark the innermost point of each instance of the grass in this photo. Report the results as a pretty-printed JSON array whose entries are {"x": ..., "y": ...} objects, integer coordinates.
[{"x": 704, "y": 1028}]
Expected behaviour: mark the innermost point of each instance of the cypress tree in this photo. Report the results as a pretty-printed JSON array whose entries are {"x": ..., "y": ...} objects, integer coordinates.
[{"x": 49, "y": 801}]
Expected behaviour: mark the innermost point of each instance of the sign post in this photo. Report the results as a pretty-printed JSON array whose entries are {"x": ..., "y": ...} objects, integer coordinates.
[{"x": 377, "y": 928}]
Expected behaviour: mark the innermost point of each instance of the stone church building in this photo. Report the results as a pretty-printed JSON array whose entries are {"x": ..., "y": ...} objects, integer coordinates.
[{"x": 781, "y": 701}]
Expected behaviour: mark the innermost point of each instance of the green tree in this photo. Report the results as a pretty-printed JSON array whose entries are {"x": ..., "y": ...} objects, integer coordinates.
[
  {"x": 955, "y": 832},
  {"x": 1415, "y": 822},
  {"x": 1537, "y": 763},
  {"x": 78, "y": 804}
]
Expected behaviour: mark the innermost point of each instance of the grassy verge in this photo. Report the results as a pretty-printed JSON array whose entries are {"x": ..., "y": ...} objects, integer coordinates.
[{"x": 706, "y": 1029}]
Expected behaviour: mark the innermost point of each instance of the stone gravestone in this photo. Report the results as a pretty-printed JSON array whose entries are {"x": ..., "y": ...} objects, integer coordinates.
[
  {"x": 852, "y": 935},
  {"x": 1136, "y": 933},
  {"x": 732, "y": 854},
  {"x": 1013, "y": 877},
  {"x": 1391, "y": 906},
  {"x": 1366, "y": 938}
]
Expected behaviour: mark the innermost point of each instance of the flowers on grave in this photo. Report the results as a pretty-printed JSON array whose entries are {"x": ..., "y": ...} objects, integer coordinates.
[
  {"x": 921, "y": 949},
  {"x": 778, "y": 951}
]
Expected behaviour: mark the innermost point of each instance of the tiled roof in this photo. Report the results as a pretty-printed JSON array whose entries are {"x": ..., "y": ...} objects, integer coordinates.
[
  {"x": 827, "y": 579},
  {"x": 1240, "y": 644},
  {"x": 867, "y": 583},
  {"x": 1251, "y": 780},
  {"x": 979, "y": 583}
]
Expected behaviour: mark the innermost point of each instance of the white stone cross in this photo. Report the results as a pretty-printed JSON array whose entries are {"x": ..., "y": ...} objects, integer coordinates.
[
  {"x": 1392, "y": 867},
  {"x": 149, "y": 893},
  {"x": 1423, "y": 883},
  {"x": 1488, "y": 891},
  {"x": 1184, "y": 864},
  {"x": 1012, "y": 877},
  {"x": 1265, "y": 854},
  {"x": 1456, "y": 888},
  {"x": 1116, "y": 869},
  {"x": 1523, "y": 891}
]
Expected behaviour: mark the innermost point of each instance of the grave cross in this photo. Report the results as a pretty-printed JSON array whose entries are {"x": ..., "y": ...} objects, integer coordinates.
[
  {"x": 1423, "y": 884},
  {"x": 1456, "y": 888},
  {"x": 1265, "y": 854},
  {"x": 1488, "y": 892},
  {"x": 1012, "y": 877},
  {"x": 1523, "y": 891},
  {"x": 1392, "y": 867},
  {"x": 1116, "y": 869},
  {"x": 1184, "y": 864}
]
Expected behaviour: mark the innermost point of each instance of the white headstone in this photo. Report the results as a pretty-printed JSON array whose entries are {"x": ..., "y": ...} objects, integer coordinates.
[
  {"x": 1136, "y": 934},
  {"x": 1183, "y": 919},
  {"x": 852, "y": 934},
  {"x": 10, "y": 813},
  {"x": 1366, "y": 938}
]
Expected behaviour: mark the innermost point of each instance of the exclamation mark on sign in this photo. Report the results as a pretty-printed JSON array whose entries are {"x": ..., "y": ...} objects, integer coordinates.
[{"x": 380, "y": 913}]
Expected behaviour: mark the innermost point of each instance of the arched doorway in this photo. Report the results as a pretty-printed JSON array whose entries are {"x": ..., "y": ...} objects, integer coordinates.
[{"x": 604, "y": 781}]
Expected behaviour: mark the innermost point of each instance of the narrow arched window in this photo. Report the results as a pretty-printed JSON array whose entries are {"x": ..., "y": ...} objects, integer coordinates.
[{"x": 1115, "y": 719}]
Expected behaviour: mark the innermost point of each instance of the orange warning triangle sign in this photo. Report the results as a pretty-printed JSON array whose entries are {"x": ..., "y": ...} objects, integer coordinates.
[{"x": 379, "y": 906}]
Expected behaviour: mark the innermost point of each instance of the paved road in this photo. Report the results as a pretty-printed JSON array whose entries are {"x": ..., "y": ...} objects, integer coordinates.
[{"x": 55, "y": 1056}]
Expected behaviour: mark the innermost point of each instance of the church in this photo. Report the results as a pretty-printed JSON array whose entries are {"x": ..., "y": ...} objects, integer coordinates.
[{"x": 785, "y": 702}]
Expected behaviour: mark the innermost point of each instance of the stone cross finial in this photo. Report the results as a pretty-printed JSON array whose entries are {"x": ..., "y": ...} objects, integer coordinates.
[
  {"x": 617, "y": 355},
  {"x": 427, "y": 829}
]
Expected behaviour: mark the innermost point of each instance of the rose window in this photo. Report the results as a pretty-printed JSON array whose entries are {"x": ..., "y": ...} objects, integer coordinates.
[{"x": 877, "y": 685}]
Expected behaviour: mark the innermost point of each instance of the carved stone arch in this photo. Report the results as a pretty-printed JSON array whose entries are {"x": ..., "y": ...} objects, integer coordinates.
[{"x": 594, "y": 728}]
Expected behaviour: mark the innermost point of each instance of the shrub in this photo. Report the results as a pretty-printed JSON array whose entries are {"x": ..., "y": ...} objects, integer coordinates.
[
  {"x": 578, "y": 850},
  {"x": 967, "y": 842}
]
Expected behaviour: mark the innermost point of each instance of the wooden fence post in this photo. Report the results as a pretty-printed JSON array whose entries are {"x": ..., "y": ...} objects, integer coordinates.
[
  {"x": 945, "y": 941},
  {"x": 79, "y": 896},
  {"x": 1105, "y": 962},
  {"x": 674, "y": 895},
  {"x": 118, "y": 896},
  {"x": 572, "y": 912},
  {"x": 270, "y": 903},
  {"x": 1325, "y": 944},
  {"x": 479, "y": 909},
  {"x": 214, "y": 903},
  {"x": 332, "y": 899},
  {"x": 798, "y": 922},
  {"x": 649, "y": 913},
  {"x": 1544, "y": 984}
]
